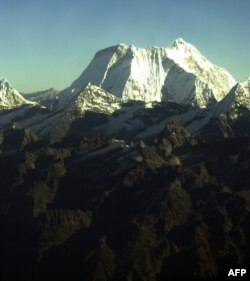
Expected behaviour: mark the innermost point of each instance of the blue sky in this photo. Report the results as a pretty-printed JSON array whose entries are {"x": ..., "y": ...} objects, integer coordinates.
[{"x": 48, "y": 43}]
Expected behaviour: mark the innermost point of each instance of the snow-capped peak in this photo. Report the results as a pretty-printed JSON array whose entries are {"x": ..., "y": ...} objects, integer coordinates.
[
  {"x": 179, "y": 73},
  {"x": 9, "y": 97},
  {"x": 246, "y": 83},
  {"x": 4, "y": 84},
  {"x": 180, "y": 42}
]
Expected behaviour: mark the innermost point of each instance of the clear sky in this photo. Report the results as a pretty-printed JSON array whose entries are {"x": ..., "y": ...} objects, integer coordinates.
[{"x": 48, "y": 43}]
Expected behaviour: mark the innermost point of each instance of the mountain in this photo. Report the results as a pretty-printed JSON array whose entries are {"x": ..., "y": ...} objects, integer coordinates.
[
  {"x": 45, "y": 98},
  {"x": 238, "y": 98},
  {"x": 246, "y": 84},
  {"x": 90, "y": 99},
  {"x": 94, "y": 111},
  {"x": 9, "y": 97},
  {"x": 137, "y": 120},
  {"x": 99, "y": 208},
  {"x": 53, "y": 123},
  {"x": 175, "y": 82},
  {"x": 231, "y": 116},
  {"x": 139, "y": 170},
  {"x": 179, "y": 73}
]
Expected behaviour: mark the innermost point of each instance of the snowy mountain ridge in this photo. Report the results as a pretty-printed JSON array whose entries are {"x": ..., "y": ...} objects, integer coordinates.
[
  {"x": 132, "y": 92},
  {"x": 238, "y": 97},
  {"x": 90, "y": 99},
  {"x": 179, "y": 73}
]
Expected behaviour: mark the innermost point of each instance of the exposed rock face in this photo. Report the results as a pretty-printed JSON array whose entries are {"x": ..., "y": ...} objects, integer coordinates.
[
  {"x": 105, "y": 209},
  {"x": 175, "y": 133}
]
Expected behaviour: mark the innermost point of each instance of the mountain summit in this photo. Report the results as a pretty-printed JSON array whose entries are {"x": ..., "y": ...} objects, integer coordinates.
[
  {"x": 178, "y": 73},
  {"x": 9, "y": 97}
]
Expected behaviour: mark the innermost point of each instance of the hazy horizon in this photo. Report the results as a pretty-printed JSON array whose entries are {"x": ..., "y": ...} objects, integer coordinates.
[{"x": 49, "y": 43}]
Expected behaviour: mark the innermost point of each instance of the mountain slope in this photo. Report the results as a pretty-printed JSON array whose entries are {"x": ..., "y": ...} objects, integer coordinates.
[
  {"x": 226, "y": 118},
  {"x": 231, "y": 116},
  {"x": 238, "y": 97},
  {"x": 54, "y": 123},
  {"x": 90, "y": 99},
  {"x": 178, "y": 73},
  {"x": 105, "y": 209},
  {"x": 45, "y": 98},
  {"x": 94, "y": 111}
]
